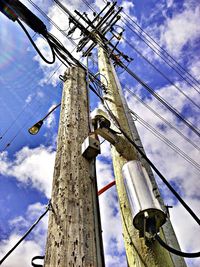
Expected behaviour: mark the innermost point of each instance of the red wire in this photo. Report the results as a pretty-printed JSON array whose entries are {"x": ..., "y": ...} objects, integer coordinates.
[{"x": 105, "y": 188}]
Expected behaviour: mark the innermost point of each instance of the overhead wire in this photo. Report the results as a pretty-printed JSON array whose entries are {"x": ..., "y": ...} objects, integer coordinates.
[
  {"x": 27, "y": 233},
  {"x": 164, "y": 59},
  {"x": 161, "y": 73},
  {"x": 174, "y": 111},
  {"x": 165, "y": 140},
  {"x": 158, "y": 52},
  {"x": 34, "y": 45},
  {"x": 175, "y": 251},
  {"x": 160, "y": 47},
  {"x": 145, "y": 58},
  {"x": 161, "y": 117},
  {"x": 160, "y": 99}
]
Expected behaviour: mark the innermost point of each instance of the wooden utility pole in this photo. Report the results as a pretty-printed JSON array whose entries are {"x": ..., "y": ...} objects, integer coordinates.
[
  {"x": 138, "y": 253},
  {"x": 74, "y": 231}
]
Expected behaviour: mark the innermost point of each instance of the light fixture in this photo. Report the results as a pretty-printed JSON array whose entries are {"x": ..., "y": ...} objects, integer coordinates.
[{"x": 35, "y": 128}]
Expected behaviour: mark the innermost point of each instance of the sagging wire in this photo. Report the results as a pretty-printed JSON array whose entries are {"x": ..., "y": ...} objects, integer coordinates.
[
  {"x": 34, "y": 45},
  {"x": 175, "y": 251},
  {"x": 49, "y": 207}
]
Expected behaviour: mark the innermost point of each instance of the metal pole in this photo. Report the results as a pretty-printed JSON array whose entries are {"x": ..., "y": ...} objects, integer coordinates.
[
  {"x": 138, "y": 253},
  {"x": 74, "y": 226}
]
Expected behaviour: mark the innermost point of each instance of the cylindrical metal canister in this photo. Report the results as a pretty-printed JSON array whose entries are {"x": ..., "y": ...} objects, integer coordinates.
[{"x": 144, "y": 205}]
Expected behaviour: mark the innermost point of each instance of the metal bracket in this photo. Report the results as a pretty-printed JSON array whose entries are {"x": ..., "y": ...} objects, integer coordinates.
[{"x": 90, "y": 147}]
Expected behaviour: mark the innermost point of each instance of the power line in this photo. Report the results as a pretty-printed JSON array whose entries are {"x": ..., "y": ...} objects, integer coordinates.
[
  {"x": 160, "y": 47},
  {"x": 36, "y": 48},
  {"x": 165, "y": 140},
  {"x": 161, "y": 73},
  {"x": 146, "y": 41},
  {"x": 162, "y": 118},
  {"x": 164, "y": 102},
  {"x": 163, "y": 58},
  {"x": 175, "y": 251},
  {"x": 26, "y": 234}
]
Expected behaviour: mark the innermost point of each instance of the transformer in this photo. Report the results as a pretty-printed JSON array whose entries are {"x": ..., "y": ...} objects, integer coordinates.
[{"x": 147, "y": 213}]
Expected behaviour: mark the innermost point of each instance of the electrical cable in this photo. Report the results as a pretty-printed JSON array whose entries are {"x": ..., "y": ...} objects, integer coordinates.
[
  {"x": 20, "y": 129},
  {"x": 166, "y": 141},
  {"x": 175, "y": 251},
  {"x": 159, "y": 52},
  {"x": 22, "y": 112},
  {"x": 37, "y": 258},
  {"x": 160, "y": 47},
  {"x": 161, "y": 73},
  {"x": 164, "y": 102},
  {"x": 190, "y": 211},
  {"x": 26, "y": 234},
  {"x": 34, "y": 45},
  {"x": 184, "y": 78},
  {"x": 161, "y": 118},
  {"x": 52, "y": 22}
]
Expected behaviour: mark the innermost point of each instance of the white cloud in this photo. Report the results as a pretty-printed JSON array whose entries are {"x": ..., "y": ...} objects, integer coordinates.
[
  {"x": 169, "y": 3},
  {"x": 29, "y": 98},
  {"x": 51, "y": 119},
  {"x": 23, "y": 254},
  {"x": 187, "y": 232},
  {"x": 180, "y": 30},
  {"x": 26, "y": 250},
  {"x": 32, "y": 167}
]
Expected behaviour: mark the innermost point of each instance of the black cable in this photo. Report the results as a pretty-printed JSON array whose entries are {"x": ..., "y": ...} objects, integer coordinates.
[
  {"x": 166, "y": 140},
  {"x": 25, "y": 235},
  {"x": 184, "y": 78},
  {"x": 194, "y": 216},
  {"x": 34, "y": 45},
  {"x": 175, "y": 251},
  {"x": 164, "y": 102},
  {"x": 161, "y": 73},
  {"x": 160, "y": 47},
  {"x": 37, "y": 258},
  {"x": 161, "y": 118},
  {"x": 159, "y": 52}
]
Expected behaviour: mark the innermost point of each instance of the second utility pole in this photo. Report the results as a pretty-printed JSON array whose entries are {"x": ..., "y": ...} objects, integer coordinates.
[
  {"x": 138, "y": 253},
  {"x": 74, "y": 231}
]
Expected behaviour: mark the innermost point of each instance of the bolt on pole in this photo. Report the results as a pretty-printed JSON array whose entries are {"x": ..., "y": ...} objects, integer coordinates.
[
  {"x": 74, "y": 230},
  {"x": 138, "y": 253}
]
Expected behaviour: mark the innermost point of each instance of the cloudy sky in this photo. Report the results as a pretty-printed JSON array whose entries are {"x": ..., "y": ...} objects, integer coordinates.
[{"x": 29, "y": 88}]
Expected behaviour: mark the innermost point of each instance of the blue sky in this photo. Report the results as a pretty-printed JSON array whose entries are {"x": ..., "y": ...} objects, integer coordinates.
[{"x": 29, "y": 88}]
